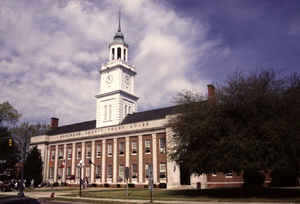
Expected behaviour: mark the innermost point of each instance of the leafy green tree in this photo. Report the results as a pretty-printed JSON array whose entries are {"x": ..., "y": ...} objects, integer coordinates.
[
  {"x": 8, "y": 114},
  {"x": 8, "y": 154},
  {"x": 33, "y": 167},
  {"x": 252, "y": 123}
]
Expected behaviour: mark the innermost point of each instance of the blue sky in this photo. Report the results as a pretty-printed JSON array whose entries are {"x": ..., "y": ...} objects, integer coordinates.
[{"x": 51, "y": 50}]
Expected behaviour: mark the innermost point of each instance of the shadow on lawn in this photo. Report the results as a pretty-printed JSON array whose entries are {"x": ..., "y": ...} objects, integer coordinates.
[{"x": 239, "y": 193}]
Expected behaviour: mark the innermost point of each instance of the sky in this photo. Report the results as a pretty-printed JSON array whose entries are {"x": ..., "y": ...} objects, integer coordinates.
[{"x": 51, "y": 51}]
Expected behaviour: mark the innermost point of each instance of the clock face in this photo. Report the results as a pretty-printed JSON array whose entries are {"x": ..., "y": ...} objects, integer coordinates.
[
  {"x": 127, "y": 80},
  {"x": 109, "y": 79}
]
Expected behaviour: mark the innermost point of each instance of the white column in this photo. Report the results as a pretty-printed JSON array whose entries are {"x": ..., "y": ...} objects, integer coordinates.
[
  {"x": 83, "y": 158},
  {"x": 93, "y": 163},
  {"x": 103, "y": 166},
  {"x": 122, "y": 53},
  {"x": 127, "y": 149},
  {"x": 47, "y": 163},
  {"x": 65, "y": 163},
  {"x": 141, "y": 166},
  {"x": 115, "y": 161},
  {"x": 55, "y": 163},
  {"x": 154, "y": 156},
  {"x": 73, "y": 157}
]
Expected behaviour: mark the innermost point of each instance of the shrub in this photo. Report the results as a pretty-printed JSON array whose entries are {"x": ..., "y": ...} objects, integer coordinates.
[
  {"x": 93, "y": 185},
  {"x": 106, "y": 185},
  {"x": 55, "y": 184},
  {"x": 284, "y": 177},
  {"x": 131, "y": 185},
  {"x": 118, "y": 185},
  {"x": 162, "y": 185},
  {"x": 253, "y": 179}
]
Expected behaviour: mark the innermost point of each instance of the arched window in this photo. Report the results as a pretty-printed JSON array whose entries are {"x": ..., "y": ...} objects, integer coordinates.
[
  {"x": 119, "y": 53},
  {"x": 113, "y": 53}
]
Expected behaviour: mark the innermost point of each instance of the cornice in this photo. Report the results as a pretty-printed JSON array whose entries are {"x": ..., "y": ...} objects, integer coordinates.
[{"x": 121, "y": 92}]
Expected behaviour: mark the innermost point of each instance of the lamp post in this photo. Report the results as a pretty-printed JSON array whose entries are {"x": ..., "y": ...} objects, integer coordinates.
[{"x": 80, "y": 182}]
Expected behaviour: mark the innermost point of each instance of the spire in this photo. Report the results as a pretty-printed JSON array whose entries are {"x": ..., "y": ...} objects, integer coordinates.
[
  {"x": 119, "y": 37},
  {"x": 119, "y": 28}
]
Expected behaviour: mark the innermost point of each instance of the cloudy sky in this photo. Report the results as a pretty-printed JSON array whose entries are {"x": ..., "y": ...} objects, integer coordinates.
[{"x": 51, "y": 50}]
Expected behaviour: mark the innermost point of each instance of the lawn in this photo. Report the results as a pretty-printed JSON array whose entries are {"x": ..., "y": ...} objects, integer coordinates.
[{"x": 222, "y": 194}]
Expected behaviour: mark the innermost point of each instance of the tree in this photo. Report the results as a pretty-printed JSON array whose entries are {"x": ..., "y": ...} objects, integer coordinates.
[
  {"x": 33, "y": 166},
  {"x": 253, "y": 123},
  {"x": 8, "y": 114},
  {"x": 8, "y": 154}
]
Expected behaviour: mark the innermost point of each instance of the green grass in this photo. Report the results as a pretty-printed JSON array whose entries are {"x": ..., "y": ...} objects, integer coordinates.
[
  {"x": 74, "y": 200},
  {"x": 225, "y": 195},
  {"x": 49, "y": 189}
]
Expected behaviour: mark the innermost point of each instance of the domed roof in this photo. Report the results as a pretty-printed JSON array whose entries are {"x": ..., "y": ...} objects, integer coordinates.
[{"x": 119, "y": 37}]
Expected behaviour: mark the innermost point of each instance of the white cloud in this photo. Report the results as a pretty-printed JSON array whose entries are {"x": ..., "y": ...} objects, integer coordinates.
[{"x": 51, "y": 51}]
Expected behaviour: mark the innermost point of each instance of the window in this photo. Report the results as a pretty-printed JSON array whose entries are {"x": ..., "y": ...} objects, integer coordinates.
[
  {"x": 134, "y": 171},
  {"x": 147, "y": 170},
  {"x": 162, "y": 170},
  {"x": 51, "y": 172},
  {"x": 109, "y": 111},
  {"x": 129, "y": 109},
  {"x": 88, "y": 151},
  {"x": 98, "y": 150},
  {"x": 98, "y": 171},
  {"x": 109, "y": 171},
  {"x": 88, "y": 171},
  {"x": 109, "y": 149},
  {"x": 79, "y": 153},
  {"x": 125, "y": 54},
  {"x": 121, "y": 172},
  {"x": 133, "y": 147},
  {"x": 162, "y": 145},
  {"x": 60, "y": 153},
  {"x": 52, "y": 155},
  {"x": 69, "y": 153},
  {"x": 119, "y": 53},
  {"x": 77, "y": 172},
  {"x": 59, "y": 173},
  {"x": 147, "y": 146},
  {"x": 69, "y": 171},
  {"x": 121, "y": 148}
]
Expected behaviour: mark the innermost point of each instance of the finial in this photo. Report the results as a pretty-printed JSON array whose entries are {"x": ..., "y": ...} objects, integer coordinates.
[{"x": 119, "y": 29}]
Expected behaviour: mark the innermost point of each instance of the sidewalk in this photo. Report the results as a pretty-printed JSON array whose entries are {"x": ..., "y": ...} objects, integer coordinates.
[{"x": 58, "y": 195}]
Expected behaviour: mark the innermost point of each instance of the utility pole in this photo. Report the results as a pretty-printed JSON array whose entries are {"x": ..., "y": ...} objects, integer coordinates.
[{"x": 21, "y": 184}]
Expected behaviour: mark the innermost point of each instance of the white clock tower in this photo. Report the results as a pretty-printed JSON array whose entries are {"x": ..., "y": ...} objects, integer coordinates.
[{"x": 116, "y": 97}]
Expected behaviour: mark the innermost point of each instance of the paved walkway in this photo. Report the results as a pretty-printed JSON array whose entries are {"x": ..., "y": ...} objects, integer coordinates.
[{"x": 61, "y": 194}]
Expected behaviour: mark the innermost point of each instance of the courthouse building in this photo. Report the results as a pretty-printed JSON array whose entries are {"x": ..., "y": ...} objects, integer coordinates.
[{"x": 120, "y": 137}]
